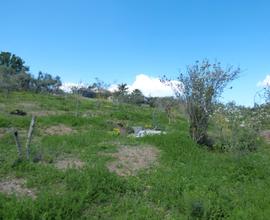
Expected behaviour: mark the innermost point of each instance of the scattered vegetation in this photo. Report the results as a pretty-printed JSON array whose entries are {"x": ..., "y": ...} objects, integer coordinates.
[
  {"x": 185, "y": 181},
  {"x": 84, "y": 164}
]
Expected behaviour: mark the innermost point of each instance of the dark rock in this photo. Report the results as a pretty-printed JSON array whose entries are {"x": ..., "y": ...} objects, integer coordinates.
[{"x": 18, "y": 112}]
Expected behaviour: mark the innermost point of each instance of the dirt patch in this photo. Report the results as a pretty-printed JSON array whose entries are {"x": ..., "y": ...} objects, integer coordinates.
[
  {"x": 46, "y": 113},
  {"x": 2, "y": 132},
  {"x": 17, "y": 187},
  {"x": 28, "y": 106},
  {"x": 266, "y": 135},
  {"x": 129, "y": 160},
  {"x": 2, "y": 106},
  {"x": 67, "y": 163},
  {"x": 58, "y": 130}
]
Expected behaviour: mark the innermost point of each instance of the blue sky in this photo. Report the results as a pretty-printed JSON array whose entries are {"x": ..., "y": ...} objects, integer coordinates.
[{"x": 118, "y": 40}]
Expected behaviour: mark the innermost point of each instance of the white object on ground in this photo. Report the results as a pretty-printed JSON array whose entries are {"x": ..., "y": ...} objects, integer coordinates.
[{"x": 146, "y": 132}]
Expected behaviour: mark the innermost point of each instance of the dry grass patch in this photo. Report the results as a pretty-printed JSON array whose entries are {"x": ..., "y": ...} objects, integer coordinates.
[
  {"x": 2, "y": 106},
  {"x": 266, "y": 135},
  {"x": 2, "y": 132},
  {"x": 67, "y": 163},
  {"x": 43, "y": 113},
  {"x": 58, "y": 130},
  {"x": 17, "y": 187},
  {"x": 129, "y": 160},
  {"x": 28, "y": 106}
]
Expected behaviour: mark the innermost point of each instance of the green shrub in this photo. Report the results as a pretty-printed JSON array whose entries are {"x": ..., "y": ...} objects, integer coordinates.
[
  {"x": 231, "y": 130},
  {"x": 197, "y": 210}
]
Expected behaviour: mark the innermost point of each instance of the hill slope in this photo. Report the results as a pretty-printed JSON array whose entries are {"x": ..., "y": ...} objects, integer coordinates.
[{"x": 84, "y": 169}]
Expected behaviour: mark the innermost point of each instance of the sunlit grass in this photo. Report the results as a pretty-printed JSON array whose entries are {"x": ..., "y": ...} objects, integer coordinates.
[{"x": 187, "y": 182}]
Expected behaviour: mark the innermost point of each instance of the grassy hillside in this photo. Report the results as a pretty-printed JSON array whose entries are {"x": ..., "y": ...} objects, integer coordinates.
[{"x": 185, "y": 181}]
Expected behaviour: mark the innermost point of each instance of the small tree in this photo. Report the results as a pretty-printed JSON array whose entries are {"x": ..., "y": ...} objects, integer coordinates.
[
  {"x": 136, "y": 97},
  {"x": 200, "y": 87},
  {"x": 47, "y": 83},
  {"x": 122, "y": 89},
  {"x": 121, "y": 94},
  {"x": 100, "y": 88}
]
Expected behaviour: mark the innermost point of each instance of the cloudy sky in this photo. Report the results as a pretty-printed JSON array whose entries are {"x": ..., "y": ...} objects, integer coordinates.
[{"x": 136, "y": 42}]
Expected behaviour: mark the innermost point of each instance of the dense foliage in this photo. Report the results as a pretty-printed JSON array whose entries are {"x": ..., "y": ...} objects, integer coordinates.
[
  {"x": 15, "y": 76},
  {"x": 237, "y": 128}
]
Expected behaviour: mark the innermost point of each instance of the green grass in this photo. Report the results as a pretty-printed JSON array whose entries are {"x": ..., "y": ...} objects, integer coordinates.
[{"x": 188, "y": 180}]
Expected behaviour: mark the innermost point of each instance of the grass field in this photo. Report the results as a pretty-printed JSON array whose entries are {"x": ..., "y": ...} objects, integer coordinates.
[{"x": 184, "y": 182}]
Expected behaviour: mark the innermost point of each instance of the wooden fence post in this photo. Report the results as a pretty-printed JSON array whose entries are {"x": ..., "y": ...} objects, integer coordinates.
[
  {"x": 19, "y": 146},
  {"x": 29, "y": 137}
]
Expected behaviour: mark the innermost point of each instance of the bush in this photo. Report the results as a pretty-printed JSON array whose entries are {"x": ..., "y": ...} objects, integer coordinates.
[
  {"x": 200, "y": 87},
  {"x": 197, "y": 210},
  {"x": 233, "y": 130}
]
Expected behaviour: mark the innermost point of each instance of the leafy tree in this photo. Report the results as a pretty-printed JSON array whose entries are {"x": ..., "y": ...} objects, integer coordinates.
[
  {"x": 47, "y": 83},
  {"x": 100, "y": 88},
  {"x": 25, "y": 81},
  {"x": 122, "y": 89},
  {"x": 13, "y": 73},
  {"x": 200, "y": 87},
  {"x": 7, "y": 79},
  {"x": 121, "y": 94},
  {"x": 12, "y": 61},
  {"x": 137, "y": 97},
  {"x": 266, "y": 94},
  {"x": 85, "y": 92}
]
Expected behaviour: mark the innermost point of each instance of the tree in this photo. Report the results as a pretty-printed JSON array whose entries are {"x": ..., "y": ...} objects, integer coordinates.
[
  {"x": 13, "y": 73},
  {"x": 121, "y": 94},
  {"x": 12, "y": 61},
  {"x": 137, "y": 97},
  {"x": 100, "y": 88},
  {"x": 122, "y": 89},
  {"x": 266, "y": 94},
  {"x": 7, "y": 80},
  {"x": 200, "y": 87},
  {"x": 47, "y": 83}
]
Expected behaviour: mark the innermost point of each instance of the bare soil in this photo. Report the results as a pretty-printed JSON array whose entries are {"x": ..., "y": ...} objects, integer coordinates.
[
  {"x": 28, "y": 105},
  {"x": 129, "y": 160},
  {"x": 66, "y": 163},
  {"x": 2, "y": 132},
  {"x": 266, "y": 135},
  {"x": 58, "y": 130},
  {"x": 17, "y": 187},
  {"x": 2, "y": 106},
  {"x": 43, "y": 113}
]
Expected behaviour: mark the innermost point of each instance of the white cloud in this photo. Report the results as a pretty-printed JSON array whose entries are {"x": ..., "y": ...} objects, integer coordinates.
[
  {"x": 113, "y": 87},
  {"x": 150, "y": 86},
  {"x": 265, "y": 82},
  {"x": 67, "y": 86}
]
